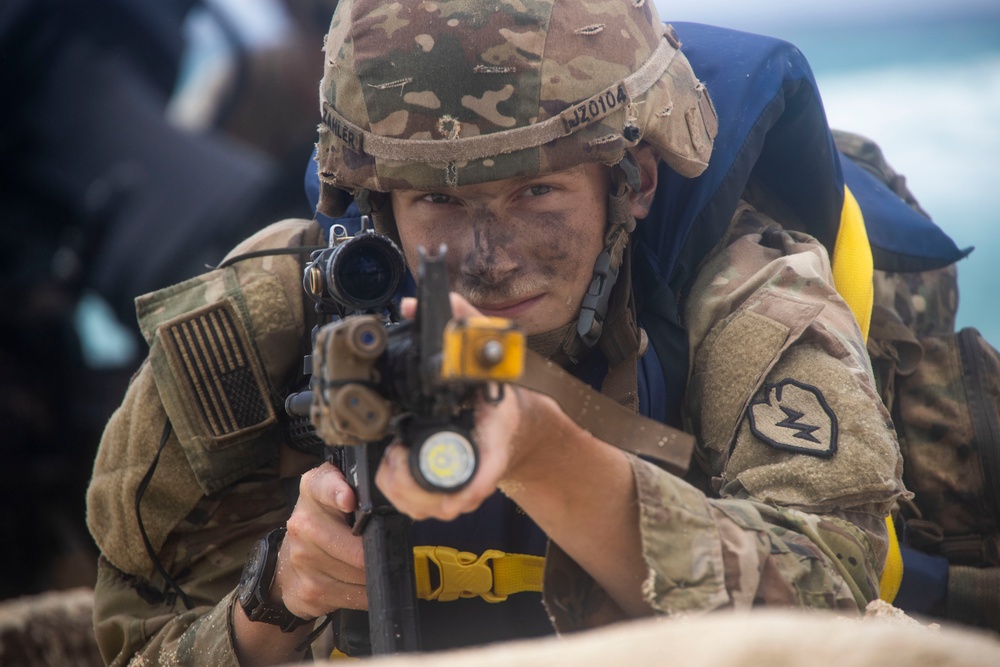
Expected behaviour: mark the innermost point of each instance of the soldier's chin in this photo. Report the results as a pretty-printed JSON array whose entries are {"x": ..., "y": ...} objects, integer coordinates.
[{"x": 546, "y": 339}]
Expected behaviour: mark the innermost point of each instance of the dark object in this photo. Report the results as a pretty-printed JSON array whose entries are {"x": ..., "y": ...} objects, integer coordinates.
[
  {"x": 258, "y": 573},
  {"x": 392, "y": 624},
  {"x": 356, "y": 274},
  {"x": 99, "y": 196}
]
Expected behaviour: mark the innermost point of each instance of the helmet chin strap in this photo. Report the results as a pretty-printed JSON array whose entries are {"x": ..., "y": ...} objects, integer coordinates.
[
  {"x": 607, "y": 314},
  {"x": 377, "y": 206},
  {"x": 593, "y": 319},
  {"x": 621, "y": 343}
]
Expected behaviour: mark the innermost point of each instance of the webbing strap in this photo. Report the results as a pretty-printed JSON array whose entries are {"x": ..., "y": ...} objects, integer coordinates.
[
  {"x": 606, "y": 419},
  {"x": 852, "y": 275},
  {"x": 461, "y": 574}
]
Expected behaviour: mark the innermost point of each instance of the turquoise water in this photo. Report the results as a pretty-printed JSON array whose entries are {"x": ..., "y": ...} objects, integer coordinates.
[
  {"x": 929, "y": 93},
  {"x": 849, "y": 49}
]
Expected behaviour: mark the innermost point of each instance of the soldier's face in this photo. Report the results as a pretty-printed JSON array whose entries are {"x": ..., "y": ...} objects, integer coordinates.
[{"x": 518, "y": 248}]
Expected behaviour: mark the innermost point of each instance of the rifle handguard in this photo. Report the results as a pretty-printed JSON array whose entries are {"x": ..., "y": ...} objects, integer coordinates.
[{"x": 346, "y": 409}]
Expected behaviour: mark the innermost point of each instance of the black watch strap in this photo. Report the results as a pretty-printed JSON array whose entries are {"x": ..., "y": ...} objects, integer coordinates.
[{"x": 258, "y": 574}]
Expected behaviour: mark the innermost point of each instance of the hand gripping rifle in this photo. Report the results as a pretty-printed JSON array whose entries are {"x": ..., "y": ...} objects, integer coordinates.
[{"x": 375, "y": 379}]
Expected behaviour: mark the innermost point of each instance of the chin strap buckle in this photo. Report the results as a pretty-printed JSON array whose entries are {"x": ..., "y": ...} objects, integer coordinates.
[{"x": 594, "y": 308}]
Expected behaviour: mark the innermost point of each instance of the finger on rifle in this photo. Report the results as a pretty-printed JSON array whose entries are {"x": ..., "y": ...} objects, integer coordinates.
[
  {"x": 326, "y": 485},
  {"x": 311, "y": 592},
  {"x": 316, "y": 539}
]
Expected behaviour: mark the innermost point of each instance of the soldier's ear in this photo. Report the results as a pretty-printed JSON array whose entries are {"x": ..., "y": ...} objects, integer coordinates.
[{"x": 641, "y": 200}]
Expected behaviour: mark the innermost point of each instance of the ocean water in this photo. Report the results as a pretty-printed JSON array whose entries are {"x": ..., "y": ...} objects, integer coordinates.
[{"x": 929, "y": 93}]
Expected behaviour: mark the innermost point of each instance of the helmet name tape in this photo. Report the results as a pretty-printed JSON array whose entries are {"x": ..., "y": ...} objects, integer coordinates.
[
  {"x": 595, "y": 108},
  {"x": 348, "y": 134}
]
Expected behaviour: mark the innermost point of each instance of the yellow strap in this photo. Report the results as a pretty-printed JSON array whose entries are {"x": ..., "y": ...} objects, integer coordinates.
[
  {"x": 852, "y": 274},
  {"x": 462, "y": 574},
  {"x": 337, "y": 654},
  {"x": 892, "y": 574},
  {"x": 852, "y": 264}
]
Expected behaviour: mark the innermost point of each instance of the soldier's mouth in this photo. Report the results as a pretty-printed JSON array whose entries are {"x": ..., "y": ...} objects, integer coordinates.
[{"x": 510, "y": 309}]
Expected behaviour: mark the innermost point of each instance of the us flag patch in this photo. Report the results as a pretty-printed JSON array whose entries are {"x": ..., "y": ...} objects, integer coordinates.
[{"x": 216, "y": 362}]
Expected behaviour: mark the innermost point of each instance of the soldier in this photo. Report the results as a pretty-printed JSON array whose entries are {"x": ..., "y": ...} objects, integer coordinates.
[{"x": 530, "y": 138}]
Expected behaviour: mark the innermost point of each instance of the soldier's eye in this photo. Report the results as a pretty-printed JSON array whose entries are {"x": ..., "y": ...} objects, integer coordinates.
[
  {"x": 538, "y": 190},
  {"x": 438, "y": 198}
]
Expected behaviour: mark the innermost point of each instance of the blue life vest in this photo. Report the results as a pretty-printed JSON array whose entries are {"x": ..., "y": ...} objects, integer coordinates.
[{"x": 773, "y": 133}]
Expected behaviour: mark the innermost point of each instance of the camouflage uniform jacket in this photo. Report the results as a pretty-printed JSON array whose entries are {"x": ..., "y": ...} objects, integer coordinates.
[
  {"x": 781, "y": 399},
  {"x": 801, "y": 454}
]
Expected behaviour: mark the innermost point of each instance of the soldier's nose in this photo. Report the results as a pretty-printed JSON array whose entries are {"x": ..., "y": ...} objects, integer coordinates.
[{"x": 491, "y": 266}]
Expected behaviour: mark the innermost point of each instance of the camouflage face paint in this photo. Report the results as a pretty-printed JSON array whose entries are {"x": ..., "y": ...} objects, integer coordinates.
[{"x": 519, "y": 248}]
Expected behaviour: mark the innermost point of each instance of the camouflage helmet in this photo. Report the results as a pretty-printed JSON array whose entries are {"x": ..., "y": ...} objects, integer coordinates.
[{"x": 432, "y": 94}]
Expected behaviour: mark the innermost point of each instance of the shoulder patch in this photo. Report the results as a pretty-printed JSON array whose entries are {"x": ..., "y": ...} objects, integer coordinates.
[
  {"x": 213, "y": 357},
  {"x": 794, "y": 416}
]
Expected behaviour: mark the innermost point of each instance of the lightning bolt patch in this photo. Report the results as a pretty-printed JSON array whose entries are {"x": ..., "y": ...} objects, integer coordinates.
[
  {"x": 794, "y": 416},
  {"x": 804, "y": 431}
]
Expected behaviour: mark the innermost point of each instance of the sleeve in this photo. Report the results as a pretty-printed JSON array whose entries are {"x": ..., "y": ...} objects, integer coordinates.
[
  {"x": 792, "y": 433},
  {"x": 189, "y": 463},
  {"x": 201, "y": 542}
]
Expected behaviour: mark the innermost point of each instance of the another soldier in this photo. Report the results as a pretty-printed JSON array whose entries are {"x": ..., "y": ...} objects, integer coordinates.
[{"x": 529, "y": 138}]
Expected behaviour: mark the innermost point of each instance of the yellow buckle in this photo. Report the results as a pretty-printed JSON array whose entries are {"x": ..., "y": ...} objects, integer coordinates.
[{"x": 462, "y": 574}]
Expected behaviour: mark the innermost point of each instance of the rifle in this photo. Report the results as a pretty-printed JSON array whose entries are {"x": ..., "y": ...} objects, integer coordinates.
[{"x": 374, "y": 379}]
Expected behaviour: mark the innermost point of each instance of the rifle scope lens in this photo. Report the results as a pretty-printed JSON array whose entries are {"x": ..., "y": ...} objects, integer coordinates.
[{"x": 365, "y": 272}]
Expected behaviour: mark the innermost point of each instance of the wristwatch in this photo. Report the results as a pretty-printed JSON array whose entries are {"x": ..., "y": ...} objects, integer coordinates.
[{"x": 258, "y": 573}]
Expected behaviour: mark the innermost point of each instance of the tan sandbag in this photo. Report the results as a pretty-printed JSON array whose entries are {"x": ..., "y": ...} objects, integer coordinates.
[
  {"x": 53, "y": 628},
  {"x": 772, "y": 638}
]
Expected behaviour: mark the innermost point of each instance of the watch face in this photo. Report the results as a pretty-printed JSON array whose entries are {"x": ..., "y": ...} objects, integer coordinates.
[{"x": 251, "y": 572}]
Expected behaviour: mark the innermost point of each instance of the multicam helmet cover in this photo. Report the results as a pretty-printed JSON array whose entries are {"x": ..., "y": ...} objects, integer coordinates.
[{"x": 426, "y": 95}]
